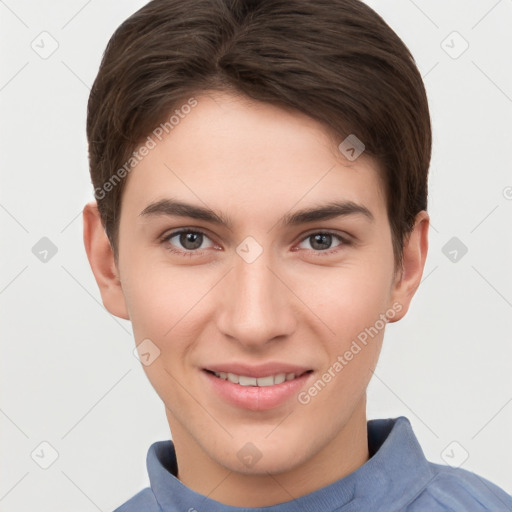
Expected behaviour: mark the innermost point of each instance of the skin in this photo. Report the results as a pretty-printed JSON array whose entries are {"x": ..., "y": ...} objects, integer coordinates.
[{"x": 254, "y": 163}]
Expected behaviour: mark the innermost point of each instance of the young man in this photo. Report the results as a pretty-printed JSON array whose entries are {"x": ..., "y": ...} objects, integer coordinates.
[{"x": 260, "y": 170}]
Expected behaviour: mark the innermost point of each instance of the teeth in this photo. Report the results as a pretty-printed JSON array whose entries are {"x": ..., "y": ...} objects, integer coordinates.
[
  {"x": 247, "y": 381},
  {"x": 266, "y": 381},
  {"x": 243, "y": 380},
  {"x": 281, "y": 377},
  {"x": 232, "y": 378}
]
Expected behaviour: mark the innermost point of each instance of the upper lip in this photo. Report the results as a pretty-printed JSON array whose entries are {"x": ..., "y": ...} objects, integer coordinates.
[{"x": 261, "y": 370}]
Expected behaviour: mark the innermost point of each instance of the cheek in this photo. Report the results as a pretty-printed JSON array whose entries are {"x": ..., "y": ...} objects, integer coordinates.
[
  {"x": 164, "y": 307},
  {"x": 353, "y": 310},
  {"x": 166, "y": 304},
  {"x": 353, "y": 313},
  {"x": 348, "y": 298}
]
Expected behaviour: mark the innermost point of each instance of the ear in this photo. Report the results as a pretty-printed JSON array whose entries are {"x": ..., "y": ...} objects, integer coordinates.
[
  {"x": 103, "y": 265},
  {"x": 414, "y": 255}
]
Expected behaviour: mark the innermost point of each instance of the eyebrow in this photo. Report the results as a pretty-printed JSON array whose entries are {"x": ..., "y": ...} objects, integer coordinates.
[{"x": 331, "y": 210}]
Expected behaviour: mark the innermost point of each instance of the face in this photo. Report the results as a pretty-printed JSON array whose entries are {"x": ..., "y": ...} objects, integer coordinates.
[{"x": 251, "y": 291}]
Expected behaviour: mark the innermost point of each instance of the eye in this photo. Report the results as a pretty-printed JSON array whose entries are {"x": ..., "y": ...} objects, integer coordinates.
[
  {"x": 190, "y": 240},
  {"x": 321, "y": 242}
]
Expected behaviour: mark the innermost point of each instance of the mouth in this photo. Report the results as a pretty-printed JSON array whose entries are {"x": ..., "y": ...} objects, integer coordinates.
[
  {"x": 269, "y": 380},
  {"x": 256, "y": 388}
]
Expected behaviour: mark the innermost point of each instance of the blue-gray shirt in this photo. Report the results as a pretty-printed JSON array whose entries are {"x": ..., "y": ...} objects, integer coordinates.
[{"x": 396, "y": 478}]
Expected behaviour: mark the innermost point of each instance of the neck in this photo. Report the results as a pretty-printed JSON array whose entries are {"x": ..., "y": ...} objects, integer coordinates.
[{"x": 341, "y": 456}]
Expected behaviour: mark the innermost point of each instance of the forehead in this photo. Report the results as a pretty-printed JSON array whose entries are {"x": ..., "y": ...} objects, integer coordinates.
[{"x": 251, "y": 157}]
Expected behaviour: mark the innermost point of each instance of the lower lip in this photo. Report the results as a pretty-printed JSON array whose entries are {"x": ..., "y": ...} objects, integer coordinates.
[{"x": 256, "y": 398}]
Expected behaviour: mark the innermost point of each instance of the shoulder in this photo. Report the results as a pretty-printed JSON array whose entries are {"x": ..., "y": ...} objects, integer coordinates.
[
  {"x": 144, "y": 501},
  {"x": 459, "y": 490}
]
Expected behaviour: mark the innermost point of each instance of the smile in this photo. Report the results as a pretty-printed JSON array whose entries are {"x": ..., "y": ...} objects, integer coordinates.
[{"x": 265, "y": 388}]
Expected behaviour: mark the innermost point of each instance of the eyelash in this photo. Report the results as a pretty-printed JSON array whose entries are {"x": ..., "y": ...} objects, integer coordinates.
[{"x": 196, "y": 252}]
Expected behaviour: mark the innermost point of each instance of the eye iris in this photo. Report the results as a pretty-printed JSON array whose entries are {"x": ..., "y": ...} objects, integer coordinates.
[
  {"x": 324, "y": 239},
  {"x": 195, "y": 238}
]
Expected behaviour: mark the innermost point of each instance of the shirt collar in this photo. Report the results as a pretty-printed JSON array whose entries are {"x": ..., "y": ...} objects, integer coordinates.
[{"x": 396, "y": 472}]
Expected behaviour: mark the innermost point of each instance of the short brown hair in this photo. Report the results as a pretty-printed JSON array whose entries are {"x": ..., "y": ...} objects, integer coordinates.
[{"x": 334, "y": 60}]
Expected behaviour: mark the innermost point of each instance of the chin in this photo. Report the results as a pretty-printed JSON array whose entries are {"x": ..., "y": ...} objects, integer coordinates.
[{"x": 260, "y": 455}]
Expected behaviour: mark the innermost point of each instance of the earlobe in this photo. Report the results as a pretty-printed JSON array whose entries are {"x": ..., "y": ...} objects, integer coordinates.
[
  {"x": 414, "y": 257},
  {"x": 103, "y": 265}
]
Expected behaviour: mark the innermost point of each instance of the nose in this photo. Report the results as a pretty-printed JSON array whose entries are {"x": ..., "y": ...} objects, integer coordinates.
[{"x": 256, "y": 306}]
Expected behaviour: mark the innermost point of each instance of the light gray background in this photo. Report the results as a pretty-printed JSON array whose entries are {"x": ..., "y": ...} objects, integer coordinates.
[{"x": 68, "y": 374}]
